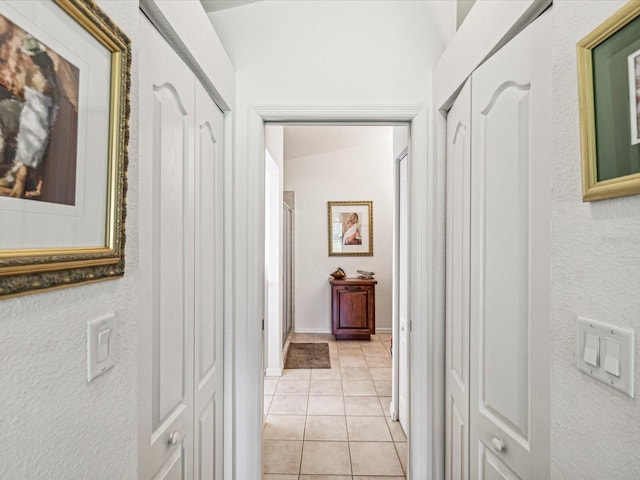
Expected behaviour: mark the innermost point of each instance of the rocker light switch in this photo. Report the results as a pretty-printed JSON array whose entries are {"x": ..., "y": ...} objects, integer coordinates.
[
  {"x": 101, "y": 345},
  {"x": 612, "y": 357},
  {"x": 592, "y": 349},
  {"x": 605, "y": 353}
]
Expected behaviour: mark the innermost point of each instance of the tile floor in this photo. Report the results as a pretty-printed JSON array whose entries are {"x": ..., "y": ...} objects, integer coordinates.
[{"x": 334, "y": 423}]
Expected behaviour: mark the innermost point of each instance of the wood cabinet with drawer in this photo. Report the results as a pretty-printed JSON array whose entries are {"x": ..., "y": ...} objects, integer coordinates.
[{"x": 353, "y": 315}]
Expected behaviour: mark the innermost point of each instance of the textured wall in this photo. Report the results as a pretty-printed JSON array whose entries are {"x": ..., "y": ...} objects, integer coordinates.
[
  {"x": 360, "y": 173},
  {"x": 55, "y": 425},
  {"x": 595, "y": 273}
]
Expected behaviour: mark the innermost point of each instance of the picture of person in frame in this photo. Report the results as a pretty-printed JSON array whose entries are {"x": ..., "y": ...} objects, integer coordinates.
[{"x": 38, "y": 119}]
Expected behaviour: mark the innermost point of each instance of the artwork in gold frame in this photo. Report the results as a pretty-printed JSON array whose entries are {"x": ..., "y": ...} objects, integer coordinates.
[
  {"x": 609, "y": 96},
  {"x": 64, "y": 110},
  {"x": 350, "y": 228}
]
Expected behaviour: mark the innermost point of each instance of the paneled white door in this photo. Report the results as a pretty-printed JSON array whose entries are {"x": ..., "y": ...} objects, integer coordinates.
[
  {"x": 208, "y": 287},
  {"x": 457, "y": 306},
  {"x": 166, "y": 261},
  {"x": 181, "y": 268},
  {"x": 510, "y": 239}
]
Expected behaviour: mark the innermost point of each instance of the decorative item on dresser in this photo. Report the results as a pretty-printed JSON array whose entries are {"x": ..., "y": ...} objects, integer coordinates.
[
  {"x": 353, "y": 308},
  {"x": 339, "y": 274}
]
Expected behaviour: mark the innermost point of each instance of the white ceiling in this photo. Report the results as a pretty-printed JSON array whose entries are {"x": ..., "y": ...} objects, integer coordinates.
[
  {"x": 305, "y": 140},
  {"x": 215, "y": 5}
]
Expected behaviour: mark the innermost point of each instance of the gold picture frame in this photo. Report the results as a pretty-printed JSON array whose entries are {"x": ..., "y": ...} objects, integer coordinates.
[
  {"x": 56, "y": 242},
  {"x": 350, "y": 229},
  {"x": 609, "y": 100}
]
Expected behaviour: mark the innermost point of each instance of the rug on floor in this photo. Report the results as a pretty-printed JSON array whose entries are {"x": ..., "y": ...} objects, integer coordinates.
[{"x": 308, "y": 355}]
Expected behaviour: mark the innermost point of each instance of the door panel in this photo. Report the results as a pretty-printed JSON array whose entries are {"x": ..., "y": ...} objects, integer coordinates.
[
  {"x": 353, "y": 309},
  {"x": 174, "y": 467},
  {"x": 510, "y": 232},
  {"x": 492, "y": 468},
  {"x": 503, "y": 236},
  {"x": 457, "y": 318},
  {"x": 170, "y": 143},
  {"x": 209, "y": 274},
  {"x": 166, "y": 381}
]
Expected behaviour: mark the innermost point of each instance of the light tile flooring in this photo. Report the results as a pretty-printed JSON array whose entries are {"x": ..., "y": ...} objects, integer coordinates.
[{"x": 334, "y": 423}]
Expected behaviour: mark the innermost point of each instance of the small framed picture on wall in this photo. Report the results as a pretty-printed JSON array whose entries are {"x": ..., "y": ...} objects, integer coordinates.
[{"x": 350, "y": 228}]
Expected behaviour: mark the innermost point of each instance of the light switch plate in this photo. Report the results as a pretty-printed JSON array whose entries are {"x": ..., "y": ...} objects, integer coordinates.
[
  {"x": 103, "y": 328},
  {"x": 624, "y": 341}
]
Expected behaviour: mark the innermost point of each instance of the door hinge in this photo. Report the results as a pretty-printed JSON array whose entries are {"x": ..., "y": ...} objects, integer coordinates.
[
  {"x": 263, "y": 324},
  {"x": 411, "y": 325}
]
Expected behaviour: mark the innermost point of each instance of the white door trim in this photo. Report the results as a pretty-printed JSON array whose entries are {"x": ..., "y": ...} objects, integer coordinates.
[{"x": 426, "y": 250}]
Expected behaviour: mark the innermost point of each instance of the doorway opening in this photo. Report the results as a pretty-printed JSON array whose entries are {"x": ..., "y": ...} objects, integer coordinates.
[{"x": 306, "y": 168}]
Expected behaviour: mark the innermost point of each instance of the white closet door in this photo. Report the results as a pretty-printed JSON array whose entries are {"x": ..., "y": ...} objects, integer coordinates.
[
  {"x": 209, "y": 278},
  {"x": 457, "y": 323},
  {"x": 510, "y": 238},
  {"x": 166, "y": 260}
]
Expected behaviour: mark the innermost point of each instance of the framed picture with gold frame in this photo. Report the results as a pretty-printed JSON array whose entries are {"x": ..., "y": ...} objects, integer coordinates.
[
  {"x": 609, "y": 96},
  {"x": 64, "y": 111},
  {"x": 350, "y": 228}
]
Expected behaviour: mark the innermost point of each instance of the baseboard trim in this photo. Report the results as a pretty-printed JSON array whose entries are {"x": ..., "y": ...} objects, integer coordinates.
[
  {"x": 324, "y": 330},
  {"x": 393, "y": 411},
  {"x": 313, "y": 330},
  {"x": 273, "y": 372}
]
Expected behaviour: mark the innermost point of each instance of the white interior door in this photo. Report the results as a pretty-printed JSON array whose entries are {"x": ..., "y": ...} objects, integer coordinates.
[
  {"x": 209, "y": 287},
  {"x": 166, "y": 261},
  {"x": 181, "y": 269},
  {"x": 403, "y": 295},
  {"x": 457, "y": 307},
  {"x": 510, "y": 237}
]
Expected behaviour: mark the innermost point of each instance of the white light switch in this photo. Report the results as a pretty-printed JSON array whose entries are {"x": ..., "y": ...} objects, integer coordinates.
[
  {"x": 612, "y": 357},
  {"x": 605, "y": 352},
  {"x": 592, "y": 349},
  {"x": 101, "y": 345}
]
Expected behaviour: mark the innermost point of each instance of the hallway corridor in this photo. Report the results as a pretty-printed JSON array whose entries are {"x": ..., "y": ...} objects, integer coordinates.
[{"x": 334, "y": 423}]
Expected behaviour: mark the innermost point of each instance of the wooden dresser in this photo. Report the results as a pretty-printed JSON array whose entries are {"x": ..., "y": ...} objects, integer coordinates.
[{"x": 353, "y": 309}]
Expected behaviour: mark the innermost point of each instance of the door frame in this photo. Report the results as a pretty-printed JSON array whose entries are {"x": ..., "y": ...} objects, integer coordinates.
[{"x": 426, "y": 254}]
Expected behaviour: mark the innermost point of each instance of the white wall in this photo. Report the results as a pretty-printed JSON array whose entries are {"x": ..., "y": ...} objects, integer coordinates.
[
  {"x": 357, "y": 173},
  {"x": 595, "y": 273},
  {"x": 54, "y": 423}
]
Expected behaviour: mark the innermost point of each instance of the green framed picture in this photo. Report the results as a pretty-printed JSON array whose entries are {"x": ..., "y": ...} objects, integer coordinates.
[{"x": 609, "y": 95}]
